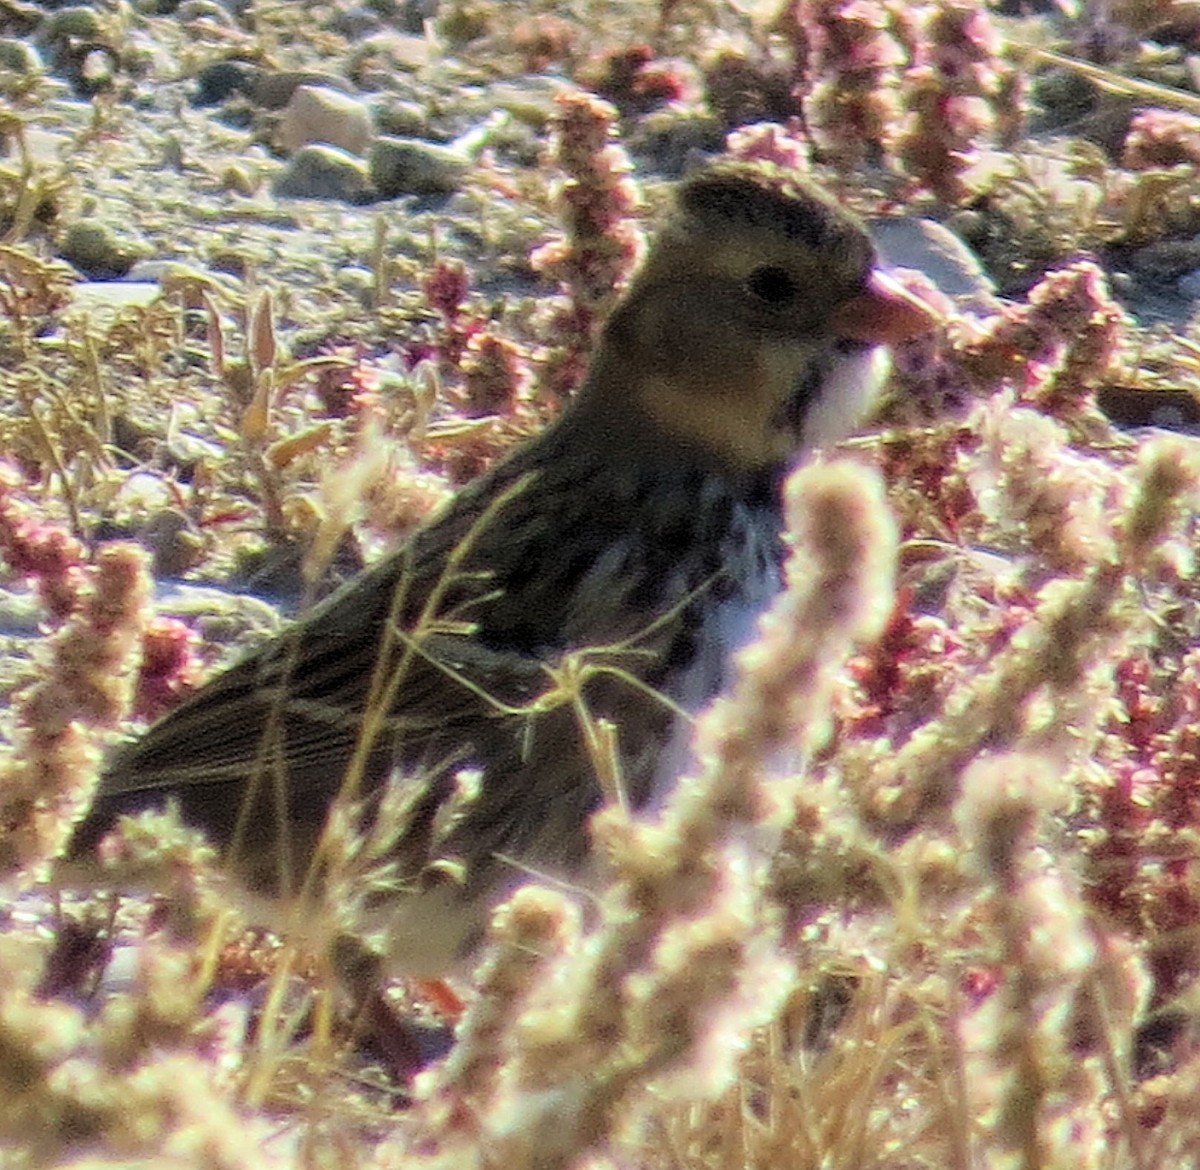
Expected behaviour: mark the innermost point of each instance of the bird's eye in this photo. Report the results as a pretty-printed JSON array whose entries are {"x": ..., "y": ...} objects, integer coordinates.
[{"x": 775, "y": 286}]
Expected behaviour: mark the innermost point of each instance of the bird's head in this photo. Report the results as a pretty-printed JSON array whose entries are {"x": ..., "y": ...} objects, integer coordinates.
[{"x": 758, "y": 324}]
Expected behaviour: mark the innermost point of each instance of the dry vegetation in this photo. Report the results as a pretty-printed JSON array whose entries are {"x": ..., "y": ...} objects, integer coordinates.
[{"x": 978, "y": 943}]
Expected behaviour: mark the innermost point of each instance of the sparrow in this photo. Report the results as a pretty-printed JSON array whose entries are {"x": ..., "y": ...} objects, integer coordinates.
[{"x": 542, "y": 645}]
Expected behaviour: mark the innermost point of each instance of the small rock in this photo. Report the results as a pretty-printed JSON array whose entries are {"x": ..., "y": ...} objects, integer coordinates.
[
  {"x": 183, "y": 454},
  {"x": 46, "y": 146},
  {"x": 513, "y": 142},
  {"x": 151, "y": 271},
  {"x": 412, "y": 14},
  {"x": 1132, "y": 409},
  {"x": 408, "y": 166},
  {"x": 194, "y": 11},
  {"x": 402, "y": 119},
  {"x": 388, "y": 52},
  {"x": 236, "y": 260},
  {"x": 273, "y": 90},
  {"x": 133, "y": 437},
  {"x": 81, "y": 48},
  {"x": 268, "y": 89},
  {"x": 358, "y": 281},
  {"x": 241, "y": 180},
  {"x": 19, "y": 58},
  {"x": 1165, "y": 260},
  {"x": 221, "y": 80},
  {"x": 354, "y": 23},
  {"x": 276, "y": 572},
  {"x": 21, "y": 19},
  {"x": 76, "y": 22},
  {"x": 317, "y": 114},
  {"x": 672, "y": 138},
  {"x": 143, "y": 493},
  {"x": 92, "y": 70},
  {"x": 219, "y": 616},
  {"x": 908, "y": 242},
  {"x": 530, "y": 101},
  {"x": 99, "y": 251},
  {"x": 324, "y": 172},
  {"x": 21, "y": 613},
  {"x": 174, "y": 543},
  {"x": 113, "y": 295},
  {"x": 1189, "y": 284}
]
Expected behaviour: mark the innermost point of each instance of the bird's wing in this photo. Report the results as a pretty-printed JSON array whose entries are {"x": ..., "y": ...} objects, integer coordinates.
[{"x": 307, "y": 702}]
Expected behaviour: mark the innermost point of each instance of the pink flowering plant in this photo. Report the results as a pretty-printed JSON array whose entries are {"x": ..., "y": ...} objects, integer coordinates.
[{"x": 928, "y": 896}]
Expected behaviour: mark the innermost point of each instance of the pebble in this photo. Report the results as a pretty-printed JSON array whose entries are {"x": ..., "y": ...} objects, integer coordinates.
[
  {"x": 272, "y": 90},
  {"x": 668, "y": 141},
  {"x": 1189, "y": 284},
  {"x": 923, "y": 244},
  {"x": 317, "y": 171},
  {"x": 383, "y": 54},
  {"x": 20, "y": 58},
  {"x": 21, "y": 613},
  {"x": 408, "y": 166},
  {"x": 412, "y": 14},
  {"x": 359, "y": 282},
  {"x": 1163, "y": 409},
  {"x": 175, "y": 546},
  {"x": 319, "y": 114},
  {"x": 1165, "y": 260},
  {"x": 76, "y": 22},
  {"x": 221, "y": 80},
  {"x": 354, "y": 23},
  {"x": 402, "y": 119},
  {"x": 219, "y": 615},
  {"x": 114, "y": 295},
  {"x": 21, "y": 19},
  {"x": 194, "y": 11},
  {"x": 46, "y": 146},
  {"x": 99, "y": 251},
  {"x": 531, "y": 101}
]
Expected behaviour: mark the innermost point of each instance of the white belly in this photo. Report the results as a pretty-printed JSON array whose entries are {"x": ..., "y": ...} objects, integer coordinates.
[{"x": 732, "y": 626}]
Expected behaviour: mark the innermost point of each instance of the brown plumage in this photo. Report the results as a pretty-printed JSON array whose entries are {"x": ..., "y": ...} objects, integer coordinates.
[{"x": 605, "y": 571}]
